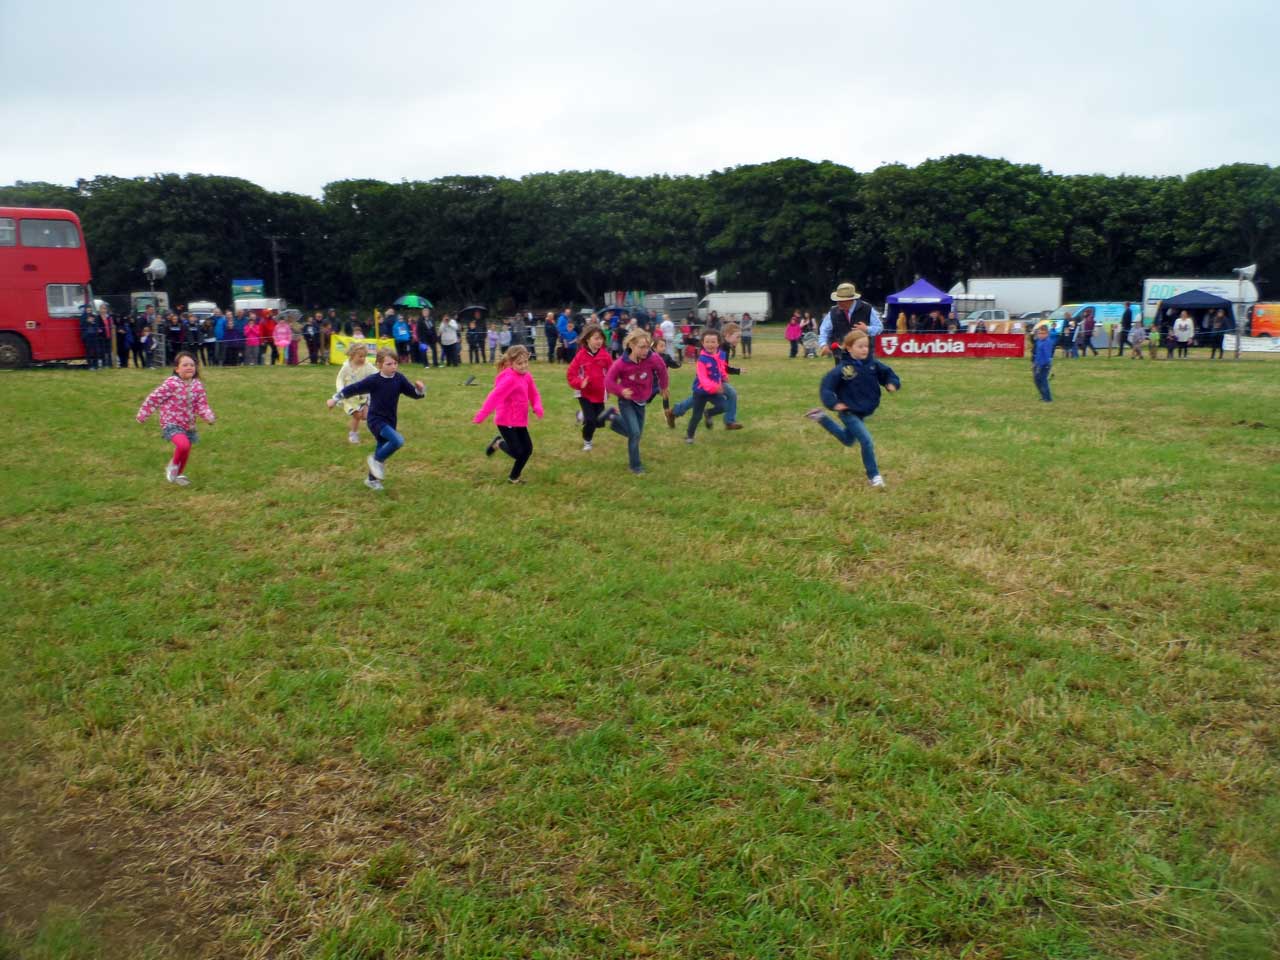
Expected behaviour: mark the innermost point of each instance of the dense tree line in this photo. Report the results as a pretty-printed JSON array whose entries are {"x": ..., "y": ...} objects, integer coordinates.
[{"x": 790, "y": 226}]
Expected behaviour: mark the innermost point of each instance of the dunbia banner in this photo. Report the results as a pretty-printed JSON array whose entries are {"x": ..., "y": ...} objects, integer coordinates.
[{"x": 951, "y": 345}]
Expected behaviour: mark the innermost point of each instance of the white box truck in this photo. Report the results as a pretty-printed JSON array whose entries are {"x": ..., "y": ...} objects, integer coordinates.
[
  {"x": 731, "y": 306},
  {"x": 1242, "y": 293},
  {"x": 1015, "y": 294}
]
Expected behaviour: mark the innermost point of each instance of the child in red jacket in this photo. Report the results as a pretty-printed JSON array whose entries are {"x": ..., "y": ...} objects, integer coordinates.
[
  {"x": 514, "y": 393},
  {"x": 586, "y": 374}
]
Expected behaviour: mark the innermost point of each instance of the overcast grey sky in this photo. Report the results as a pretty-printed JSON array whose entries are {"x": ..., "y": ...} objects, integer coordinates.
[{"x": 293, "y": 95}]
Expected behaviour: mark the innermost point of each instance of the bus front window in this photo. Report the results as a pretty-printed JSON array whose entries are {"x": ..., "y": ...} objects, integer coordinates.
[
  {"x": 65, "y": 299},
  {"x": 49, "y": 233}
]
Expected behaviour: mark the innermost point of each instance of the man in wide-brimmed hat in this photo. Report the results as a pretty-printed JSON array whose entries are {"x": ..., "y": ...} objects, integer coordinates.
[{"x": 848, "y": 312}]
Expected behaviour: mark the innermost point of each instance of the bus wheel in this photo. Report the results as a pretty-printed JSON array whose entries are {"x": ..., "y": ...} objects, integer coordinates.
[{"x": 14, "y": 352}]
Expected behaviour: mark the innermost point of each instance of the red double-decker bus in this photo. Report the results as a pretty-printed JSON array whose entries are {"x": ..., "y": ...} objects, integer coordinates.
[{"x": 44, "y": 280}]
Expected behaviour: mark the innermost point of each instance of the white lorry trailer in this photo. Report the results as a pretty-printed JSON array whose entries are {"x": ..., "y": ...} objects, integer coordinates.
[
  {"x": 1014, "y": 294},
  {"x": 1242, "y": 293},
  {"x": 731, "y": 306},
  {"x": 675, "y": 305}
]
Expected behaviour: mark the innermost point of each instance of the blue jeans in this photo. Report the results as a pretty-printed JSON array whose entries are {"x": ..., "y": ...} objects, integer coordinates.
[
  {"x": 630, "y": 423},
  {"x": 853, "y": 431},
  {"x": 730, "y": 403},
  {"x": 1040, "y": 373},
  {"x": 389, "y": 441},
  {"x": 698, "y": 404},
  {"x": 725, "y": 402}
]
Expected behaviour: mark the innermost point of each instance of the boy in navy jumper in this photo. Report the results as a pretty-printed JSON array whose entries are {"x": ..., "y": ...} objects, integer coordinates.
[
  {"x": 1042, "y": 361},
  {"x": 384, "y": 389},
  {"x": 852, "y": 390}
]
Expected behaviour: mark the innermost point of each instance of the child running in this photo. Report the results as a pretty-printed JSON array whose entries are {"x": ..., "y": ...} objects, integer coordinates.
[
  {"x": 708, "y": 385},
  {"x": 384, "y": 390},
  {"x": 635, "y": 378},
  {"x": 852, "y": 389},
  {"x": 1042, "y": 361},
  {"x": 586, "y": 375},
  {"x": 180, "y": 399},
  {"x": 510, "y": 400},
  {"x": 730, "y": 334},
  {"x": 356, "y": 367}
]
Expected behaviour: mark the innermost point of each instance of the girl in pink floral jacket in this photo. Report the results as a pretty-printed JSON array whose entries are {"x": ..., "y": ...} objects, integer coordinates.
[
  {"x": 510, "y": 400},
  {"x": 179, "y": 400}
]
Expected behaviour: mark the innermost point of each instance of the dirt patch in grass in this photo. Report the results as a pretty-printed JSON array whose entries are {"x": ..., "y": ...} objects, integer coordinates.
[{"x": 252, "y": 850}]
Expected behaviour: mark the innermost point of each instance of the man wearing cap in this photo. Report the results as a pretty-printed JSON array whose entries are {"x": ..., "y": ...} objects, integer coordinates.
[{"x": 849, "y": 312}]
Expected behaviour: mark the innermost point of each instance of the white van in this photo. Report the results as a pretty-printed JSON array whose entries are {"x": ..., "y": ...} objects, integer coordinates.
[
  {"x": 731, "y": 306},
  {"x": 202, "y": 309},
  {"x": 1106, "y": 314}
]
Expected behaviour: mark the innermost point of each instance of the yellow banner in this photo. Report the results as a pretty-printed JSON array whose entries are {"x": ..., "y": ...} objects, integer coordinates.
[{"x": 339, "y": 345}]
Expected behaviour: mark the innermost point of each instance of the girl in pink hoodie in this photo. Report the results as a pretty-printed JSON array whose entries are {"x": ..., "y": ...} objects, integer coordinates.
[
  {"x": 514, "y": 393},
  {"x": 283, "y": 335}
]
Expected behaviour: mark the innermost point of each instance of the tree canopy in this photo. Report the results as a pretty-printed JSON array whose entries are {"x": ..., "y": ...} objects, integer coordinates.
[{"x": 790, "y": 226}]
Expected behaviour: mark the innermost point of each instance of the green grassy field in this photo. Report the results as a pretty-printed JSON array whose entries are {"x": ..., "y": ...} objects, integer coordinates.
[{"x": 1021, "y": 705}]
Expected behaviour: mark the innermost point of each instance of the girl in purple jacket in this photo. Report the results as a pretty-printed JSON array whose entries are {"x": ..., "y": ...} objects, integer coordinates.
[
  {"x": 513, "y": 395},
  {"x": 635, "y": 378}
]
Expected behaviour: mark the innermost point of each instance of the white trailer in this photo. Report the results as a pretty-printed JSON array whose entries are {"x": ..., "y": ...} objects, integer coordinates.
[
  {"x": 675, "y": 305},
  {"x": 1015, "y": 294},
  {"x": 731, "y": 306},
  {"x": 1242, "y": 293}
]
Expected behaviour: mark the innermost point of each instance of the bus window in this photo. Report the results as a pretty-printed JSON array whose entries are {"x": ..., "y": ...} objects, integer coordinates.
[
  {"x": 8, "y": 232},
  {"x": 49, "y": 233},
  {"x": 64, "y": 299}
]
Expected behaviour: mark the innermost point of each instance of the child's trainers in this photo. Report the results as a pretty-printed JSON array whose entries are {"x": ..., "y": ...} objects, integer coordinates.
[
  {"x": 688, "y": 439},
  {"x": 181, "y": 480},
  {"x": 877, "y": 482},
  {"x": 376, "y": 468},
  {"x": 373, "y": 483},
  {"x": 353, "y": 436},
  {"x": 171, "y": 473},
  {"x": 586, "y": 444},
  {"x": 493, "y": 445},
  {"x": 816, "y": 414}
]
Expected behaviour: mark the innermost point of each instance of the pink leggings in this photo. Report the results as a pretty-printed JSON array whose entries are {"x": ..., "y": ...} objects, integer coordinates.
[{"x": 181, "y": 450}]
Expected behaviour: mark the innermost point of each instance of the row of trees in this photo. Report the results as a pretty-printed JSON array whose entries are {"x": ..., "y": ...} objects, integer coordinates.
[{"x": 791, "y": 226}]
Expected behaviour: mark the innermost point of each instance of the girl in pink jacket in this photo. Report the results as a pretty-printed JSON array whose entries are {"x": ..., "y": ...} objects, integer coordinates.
[
  {"x": 179, "y": 400},
  {"x": 513, "y": 395},
  {"x": 283, "y": 336}
]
